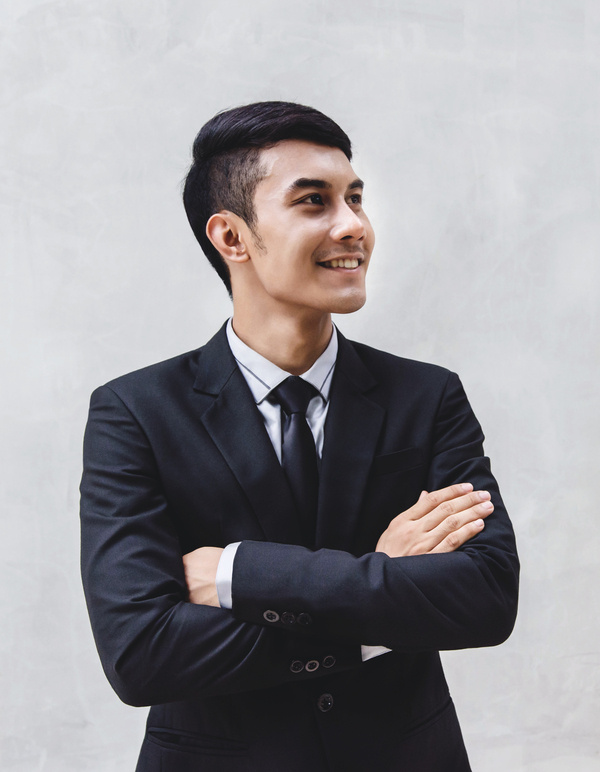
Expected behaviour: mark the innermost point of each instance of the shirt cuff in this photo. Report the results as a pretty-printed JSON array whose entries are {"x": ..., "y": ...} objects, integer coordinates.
[
  {"x": 224, "y": 575},
  {"x": 368, "y": 652}
]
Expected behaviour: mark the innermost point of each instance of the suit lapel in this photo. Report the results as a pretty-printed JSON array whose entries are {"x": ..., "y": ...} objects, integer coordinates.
[
  {"x": 236, "y": 427},
  {"x": 353, "y": 426},
  {"x": 234, "y": 423}
]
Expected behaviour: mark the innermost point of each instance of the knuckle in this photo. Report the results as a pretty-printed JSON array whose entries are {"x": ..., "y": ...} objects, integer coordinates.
[
  {"x": 452, "y": 523},
  {"x": 446, "y": 509},
  {"x": 434, "y": 498},
  {"x": 453, "y": 541}
]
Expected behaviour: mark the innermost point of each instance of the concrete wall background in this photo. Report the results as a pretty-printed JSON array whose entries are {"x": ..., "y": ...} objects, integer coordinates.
[{"x": 476, "y": 125}]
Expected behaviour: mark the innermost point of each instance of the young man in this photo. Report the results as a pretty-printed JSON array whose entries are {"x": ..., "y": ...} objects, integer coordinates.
[{"x": 281, "y": 529}]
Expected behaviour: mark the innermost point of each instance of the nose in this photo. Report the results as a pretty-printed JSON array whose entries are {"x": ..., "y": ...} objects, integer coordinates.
[{"x": 348, "y": 225}]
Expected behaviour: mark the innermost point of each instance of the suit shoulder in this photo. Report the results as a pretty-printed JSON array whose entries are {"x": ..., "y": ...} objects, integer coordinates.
[
  {"x": 384, "y": 366},
  {"x": 152, "y": 375},
  {"x": 169, "y": 381}
]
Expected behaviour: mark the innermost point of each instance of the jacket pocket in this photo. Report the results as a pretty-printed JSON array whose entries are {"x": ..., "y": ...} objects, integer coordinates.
[
  {"x": 400, "y": 461},
  {"x": 195, "y": 743}
]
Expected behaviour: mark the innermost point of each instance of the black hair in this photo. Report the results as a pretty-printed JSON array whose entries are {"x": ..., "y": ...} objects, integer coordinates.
[{"x": 226, "y": 161}]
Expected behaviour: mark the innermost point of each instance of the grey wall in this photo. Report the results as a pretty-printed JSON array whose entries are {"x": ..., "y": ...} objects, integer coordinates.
[{"x": 476, "y": 125}]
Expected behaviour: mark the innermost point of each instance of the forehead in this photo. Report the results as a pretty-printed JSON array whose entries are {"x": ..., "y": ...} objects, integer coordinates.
[{"x": 294, "y": 159}]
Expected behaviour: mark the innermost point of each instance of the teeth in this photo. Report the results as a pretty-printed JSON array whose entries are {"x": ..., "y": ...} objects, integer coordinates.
[{"x": 347, "y": 263}]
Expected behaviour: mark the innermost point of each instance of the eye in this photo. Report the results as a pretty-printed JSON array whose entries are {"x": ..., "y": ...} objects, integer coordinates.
[
  {"x": 314, "y": 198},
  {"x": 356, "y": 198}
]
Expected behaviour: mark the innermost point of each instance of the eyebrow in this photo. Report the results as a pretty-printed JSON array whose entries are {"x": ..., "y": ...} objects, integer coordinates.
[{"x": 307, "y": 182}]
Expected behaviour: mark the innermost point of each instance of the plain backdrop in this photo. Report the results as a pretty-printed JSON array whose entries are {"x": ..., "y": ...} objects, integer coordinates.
[{"x": 476, "y": 125}]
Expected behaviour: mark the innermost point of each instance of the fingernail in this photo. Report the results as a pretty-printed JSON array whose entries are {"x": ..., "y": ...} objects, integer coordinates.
[
  {"x": 483, "y": 495},
  {"x": 479, "y": 523},
  {"x": 466, "y": 487},
  {"x": 487, "y": 506}
]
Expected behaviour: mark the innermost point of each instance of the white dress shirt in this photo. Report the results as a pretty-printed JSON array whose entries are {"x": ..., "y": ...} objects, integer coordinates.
[{"x": 262, "y": 376}]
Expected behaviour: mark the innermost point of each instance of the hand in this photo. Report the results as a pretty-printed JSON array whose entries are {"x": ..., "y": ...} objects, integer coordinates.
[
  {"x": 200, "y": 568},
  {"x": 440, "y": 521}
]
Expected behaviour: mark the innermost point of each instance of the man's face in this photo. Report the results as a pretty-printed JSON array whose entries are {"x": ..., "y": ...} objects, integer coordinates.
[{"x": 312, "y": 240}]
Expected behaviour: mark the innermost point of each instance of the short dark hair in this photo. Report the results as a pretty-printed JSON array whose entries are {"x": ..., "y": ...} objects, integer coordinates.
[{"x": 226, "y": 168}]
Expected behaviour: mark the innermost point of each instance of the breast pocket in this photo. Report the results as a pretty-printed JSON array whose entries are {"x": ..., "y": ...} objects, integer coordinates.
[{"x": 399, "y": 461}]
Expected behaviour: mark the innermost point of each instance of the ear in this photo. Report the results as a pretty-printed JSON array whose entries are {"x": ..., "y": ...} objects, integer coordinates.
[{"x": 224, "y": 229}]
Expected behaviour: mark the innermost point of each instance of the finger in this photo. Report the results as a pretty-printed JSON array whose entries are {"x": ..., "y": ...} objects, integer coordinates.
[
  {"x": 457, "y": 538},
  {"x": 445, "y": 501},
  {"x": 423, "y": 493},
  {"x": 453, "y": 523},
  {"x": 430, "y": 501},
  {"x": 456, "y": 521},
  {"x": 479, "y": 501}
]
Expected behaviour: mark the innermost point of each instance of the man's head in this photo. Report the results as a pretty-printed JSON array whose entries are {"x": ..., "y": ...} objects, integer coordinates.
[{"x": 227, "y": 166}]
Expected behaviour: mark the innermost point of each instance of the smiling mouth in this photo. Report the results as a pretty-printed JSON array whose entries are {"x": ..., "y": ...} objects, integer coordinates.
[{"x": 342, "y": 262}]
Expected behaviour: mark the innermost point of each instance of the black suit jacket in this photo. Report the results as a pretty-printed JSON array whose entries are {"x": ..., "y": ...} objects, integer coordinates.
[{"x": 176, "y": 456}]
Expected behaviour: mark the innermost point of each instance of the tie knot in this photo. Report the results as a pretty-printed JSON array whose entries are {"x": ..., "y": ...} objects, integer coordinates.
[{"x": 293, "y": 394}]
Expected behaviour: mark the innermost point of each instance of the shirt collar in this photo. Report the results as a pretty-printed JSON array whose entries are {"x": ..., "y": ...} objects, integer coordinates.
[{"x": 262, "y": 375}]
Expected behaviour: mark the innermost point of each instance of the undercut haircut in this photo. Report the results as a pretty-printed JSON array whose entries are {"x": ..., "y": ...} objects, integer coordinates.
[{"x": 226, "y": 162}]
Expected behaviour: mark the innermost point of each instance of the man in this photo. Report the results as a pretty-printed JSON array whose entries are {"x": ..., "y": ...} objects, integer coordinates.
[{"x": 271, "y": 561}]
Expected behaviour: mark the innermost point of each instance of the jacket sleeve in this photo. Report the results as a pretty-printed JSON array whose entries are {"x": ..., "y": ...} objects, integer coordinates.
[
  {"x": 466, "y": 598},
  {"x": 154, "y": 645}
]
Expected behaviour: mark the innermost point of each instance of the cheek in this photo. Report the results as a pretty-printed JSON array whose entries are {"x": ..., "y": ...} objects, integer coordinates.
[{"x": 281, "y": 273}]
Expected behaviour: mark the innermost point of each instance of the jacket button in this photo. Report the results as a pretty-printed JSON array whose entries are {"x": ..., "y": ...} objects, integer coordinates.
[
  {"x": 312, "y": 665},
  {"x": 297, "y": 666},
  {"x": 271, "y": 616},
  {"x": 304, "y": 619},
  {"x": 325, "y": 703},
  {"x": 329, "y": 661},
  {"x": 288, "y": 618}
]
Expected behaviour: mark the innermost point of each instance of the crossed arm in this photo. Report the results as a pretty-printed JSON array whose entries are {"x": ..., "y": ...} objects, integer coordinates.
[{"x": 440, "y": 521}]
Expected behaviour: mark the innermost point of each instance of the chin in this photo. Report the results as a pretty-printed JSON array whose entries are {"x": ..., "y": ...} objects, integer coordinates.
[{"x": 349, "y": 303}]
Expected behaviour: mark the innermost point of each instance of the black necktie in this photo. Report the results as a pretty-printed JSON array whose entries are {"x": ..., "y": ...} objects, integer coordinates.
[{"x": 298, "y": 452}]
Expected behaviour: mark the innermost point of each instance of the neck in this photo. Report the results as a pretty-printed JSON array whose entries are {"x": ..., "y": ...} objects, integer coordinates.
[{"x": 292, "y": 343}]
